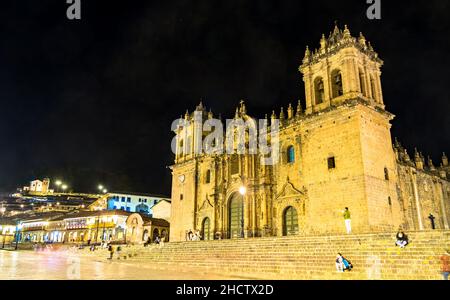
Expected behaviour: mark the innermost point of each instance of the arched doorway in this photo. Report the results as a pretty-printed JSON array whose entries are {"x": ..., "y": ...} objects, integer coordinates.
[
  {"x": 164, "y": 235},
  {"x": 155, "y": 233},
  {"x": 236, "y": 216},
  {"x": 290, "y": 221},
  {"x": 145, "y": 235},
  {"x": 206, "y": 229}
]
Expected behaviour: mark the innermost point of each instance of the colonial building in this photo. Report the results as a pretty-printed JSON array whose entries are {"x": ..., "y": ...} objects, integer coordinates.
[
  {"x": 80, "y": 227},
  {"x": 161, "y": 210},
  {"x": 134, "y": 202},
  {"x": 336, "y": 152}
]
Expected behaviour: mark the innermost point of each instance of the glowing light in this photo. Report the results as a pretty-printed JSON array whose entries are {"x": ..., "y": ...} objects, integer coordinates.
[
  {"x": 58, "y": 182},
  {"x": 64, "y": 187},
  {"x": 242, "y": 190}
]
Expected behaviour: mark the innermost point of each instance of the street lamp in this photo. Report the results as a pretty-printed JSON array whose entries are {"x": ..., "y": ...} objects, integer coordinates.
[
  {"x": 64, "y": 187},
  {"x": 58, "y": 183},
  {"x": 105, "y": 191},
  {"x": 243, "y": 190}
]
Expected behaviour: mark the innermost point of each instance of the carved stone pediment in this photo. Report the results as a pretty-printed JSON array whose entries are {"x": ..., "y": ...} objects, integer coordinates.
[
  {"x": 290, "y": 191},
  {"x": 206, "y": 204}
]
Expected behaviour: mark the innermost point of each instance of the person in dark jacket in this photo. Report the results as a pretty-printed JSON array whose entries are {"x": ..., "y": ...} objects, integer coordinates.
[
  {"x": 111, "y": 251},
  {"x": 402, "y": 239}
]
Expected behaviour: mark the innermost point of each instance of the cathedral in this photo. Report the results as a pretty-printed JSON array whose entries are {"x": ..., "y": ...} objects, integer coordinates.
[{"x": 335, "y": 153}]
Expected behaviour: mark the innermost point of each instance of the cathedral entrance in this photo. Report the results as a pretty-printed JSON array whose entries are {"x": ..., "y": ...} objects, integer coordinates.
[
  {"x": 290, "y": 221},
  {"x": 236, "y": 216},
  {"x": 206, "y": 229}
]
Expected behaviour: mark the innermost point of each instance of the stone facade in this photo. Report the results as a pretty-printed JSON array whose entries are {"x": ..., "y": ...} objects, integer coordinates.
[{"x": 337, "y": 152}]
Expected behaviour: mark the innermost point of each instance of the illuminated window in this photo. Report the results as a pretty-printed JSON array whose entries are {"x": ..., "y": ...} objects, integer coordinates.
[{"x": 290, "y": 154}]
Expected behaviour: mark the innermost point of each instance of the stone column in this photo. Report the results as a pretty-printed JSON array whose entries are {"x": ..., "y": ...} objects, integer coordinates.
[
  {"x": 443, "y": 208},
  {"x": 416, "y": 197},
  {"x": 379, "y": 88}
]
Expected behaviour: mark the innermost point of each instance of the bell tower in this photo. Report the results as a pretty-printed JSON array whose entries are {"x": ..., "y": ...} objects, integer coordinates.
[{"x": 342, "y": 69}]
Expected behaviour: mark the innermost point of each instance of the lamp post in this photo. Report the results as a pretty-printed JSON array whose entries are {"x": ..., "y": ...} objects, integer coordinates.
[
  {"x": 64, "y": 187},
  {"x": 58, "y": 183}
]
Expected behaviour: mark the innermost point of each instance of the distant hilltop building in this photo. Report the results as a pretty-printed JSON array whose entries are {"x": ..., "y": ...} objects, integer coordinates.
[
  {"x": 336, "y": 152},
  {"x": 38, "y": 186}
]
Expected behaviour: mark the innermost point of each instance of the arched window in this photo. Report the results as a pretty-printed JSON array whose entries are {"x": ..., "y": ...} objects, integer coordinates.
[
  {"x": 208, "y": 176},
  {"x": 290, "y": 155},
  {"x": 362, "y": 83},
  {"x": 145, "y": 235},
  {"x": 386, "y": 174},
  {"x": 290, "y": 221},
  {"x": 319, "y": 88},
  {"x": 155, "y": 233},
  {"x": 336, "y": 80}
]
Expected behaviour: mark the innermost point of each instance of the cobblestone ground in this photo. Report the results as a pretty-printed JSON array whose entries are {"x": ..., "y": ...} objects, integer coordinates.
[{"x": 62, "y": 265}]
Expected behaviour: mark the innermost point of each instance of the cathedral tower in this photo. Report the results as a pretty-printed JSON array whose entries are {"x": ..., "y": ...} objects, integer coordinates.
[
  {"x": 343, "y": 68},
  {"x": 347, "y": 153}
]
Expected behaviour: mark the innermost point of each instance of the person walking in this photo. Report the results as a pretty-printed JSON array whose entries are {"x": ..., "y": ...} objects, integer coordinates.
[
  {"x": 111, "y": 252},
  {"x": 348, "y": 221},
  {"x": 119, "y": 250},
  {"x": 445, "y": 263},
  {"x": 433, "y": 224}
]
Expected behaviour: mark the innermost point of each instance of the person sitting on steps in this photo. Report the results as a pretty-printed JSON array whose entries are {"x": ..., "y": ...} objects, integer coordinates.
[
  {"x": 343, "y": 264},
  {"x": 402, "y": 239}
]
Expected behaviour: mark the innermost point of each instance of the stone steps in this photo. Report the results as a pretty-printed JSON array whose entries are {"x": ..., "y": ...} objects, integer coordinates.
[{"x": 306, "y": 257}]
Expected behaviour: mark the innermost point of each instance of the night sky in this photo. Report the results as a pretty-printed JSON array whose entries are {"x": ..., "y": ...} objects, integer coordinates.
[{"x": 92, "y": 101}]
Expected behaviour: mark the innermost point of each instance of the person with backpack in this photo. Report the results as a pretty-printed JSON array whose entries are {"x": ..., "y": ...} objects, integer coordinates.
[
  {"x": 347, "y": 264},
  {"x": 343, "y": 264}
]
